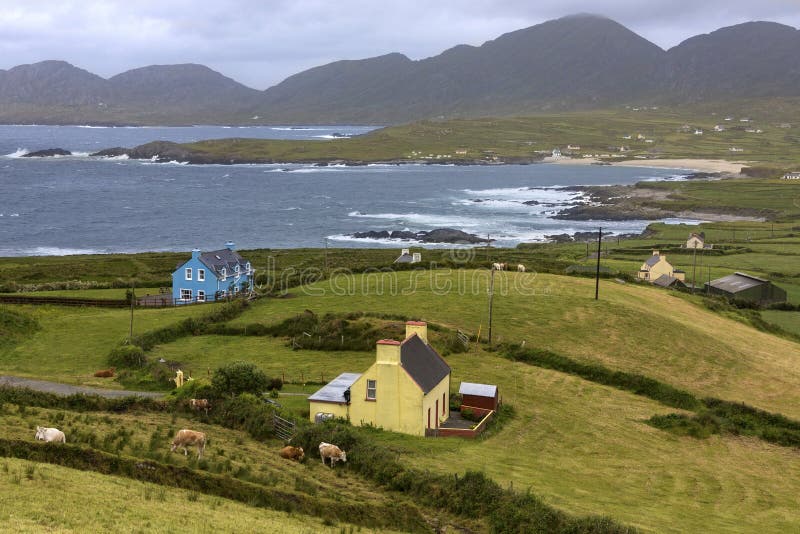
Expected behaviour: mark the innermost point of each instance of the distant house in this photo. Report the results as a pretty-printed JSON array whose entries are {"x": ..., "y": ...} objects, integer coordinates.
[
  {"x": 656, "y": 266},
  {"x": 461, "y": 152},
  {"x": 719, "y": 128},
  {"x": 792, "y": 176},
  {"x": 556, "y": 153},
  {"x": 640, "y": 137},
  {"x": 698, "y": 131},
  {"x": 407, "y": 257},
  {"x": 406, "y": 390},
  {"x": 743, "y": 286},
  {"x": 735, "y": 149},
  {"x": 209, "y": 276},
  {"x": 573, "y": 147},
  {"x": 696, "y": 240}
]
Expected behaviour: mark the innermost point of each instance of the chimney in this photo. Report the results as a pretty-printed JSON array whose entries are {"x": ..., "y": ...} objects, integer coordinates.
[
  {"x": 404, "y": 252},
  {"x": 416, "y": 258},
  {"x": 655, "y": 253},
  {"x": 417, "y": 327},
  {"x": 230, "y": 245},
  {"x": 195, "y": 253},
  {"x": 388, "y": 351}
]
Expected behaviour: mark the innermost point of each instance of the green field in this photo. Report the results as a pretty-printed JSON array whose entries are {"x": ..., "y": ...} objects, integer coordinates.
[{"x": 670, "y": 132}]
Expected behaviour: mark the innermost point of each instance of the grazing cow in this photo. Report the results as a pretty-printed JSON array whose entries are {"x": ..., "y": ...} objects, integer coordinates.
[
  {"x": 200, "y": 404},
  {"x": 520, "y": 268},
  {"x": 50, "y": 434},
  {"x": 326, "y": 450},
  {"x": 499, "y": 266},
  {"x": 105, "y": 373},
  {"x": 189, "y": 437},
  {"x": 292, "y": 453}
]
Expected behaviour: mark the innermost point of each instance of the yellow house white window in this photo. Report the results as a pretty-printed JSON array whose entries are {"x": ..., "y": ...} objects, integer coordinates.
[{"x": 372, "y": 388}]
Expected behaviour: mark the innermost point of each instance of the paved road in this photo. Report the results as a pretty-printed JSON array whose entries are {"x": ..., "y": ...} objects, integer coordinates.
[{"x": 65, "y": 389}]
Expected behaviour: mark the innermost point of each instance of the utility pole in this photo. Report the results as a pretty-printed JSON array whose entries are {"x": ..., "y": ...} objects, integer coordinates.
[
  {"x": 133, "y": 300},
  {"x": 597, "y": 274},
  {"x": 491, "y": 302},
  {"x": 694, "y": 268},
  {"x": 326, "y": 254},
  {"x": 488, "y": 244}
]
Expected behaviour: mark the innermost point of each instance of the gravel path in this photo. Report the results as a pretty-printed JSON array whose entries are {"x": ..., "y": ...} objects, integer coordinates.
[{"x": 64, "y": 389}]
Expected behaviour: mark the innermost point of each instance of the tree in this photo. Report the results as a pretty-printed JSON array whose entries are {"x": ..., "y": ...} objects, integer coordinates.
[{"x": 239, "y": 377}]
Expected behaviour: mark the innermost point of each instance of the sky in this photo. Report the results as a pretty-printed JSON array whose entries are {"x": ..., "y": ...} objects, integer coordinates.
[{"x": 261, "y": 42}]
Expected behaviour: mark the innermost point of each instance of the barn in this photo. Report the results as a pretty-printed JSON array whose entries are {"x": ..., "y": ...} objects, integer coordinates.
[{"x": 743, "y": 286}]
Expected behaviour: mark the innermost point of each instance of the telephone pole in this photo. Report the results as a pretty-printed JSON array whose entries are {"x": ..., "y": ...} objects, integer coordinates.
[
  {"x": 597, "y": 274},
  {"x": 491, "y": 302},
  {"x": 133, "y": 300},
  {"x": 694, "y": 268}
]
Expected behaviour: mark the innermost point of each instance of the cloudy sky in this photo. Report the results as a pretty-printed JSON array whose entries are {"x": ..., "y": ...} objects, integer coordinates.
[{"x": 260, "y": 42}]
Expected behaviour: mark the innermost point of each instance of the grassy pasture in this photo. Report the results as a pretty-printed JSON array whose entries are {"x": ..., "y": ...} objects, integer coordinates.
[{"x": 91, "y": 502}]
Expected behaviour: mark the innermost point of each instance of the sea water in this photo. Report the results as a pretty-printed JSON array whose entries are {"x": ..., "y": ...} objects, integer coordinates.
[{"x": 79, "y": 204}]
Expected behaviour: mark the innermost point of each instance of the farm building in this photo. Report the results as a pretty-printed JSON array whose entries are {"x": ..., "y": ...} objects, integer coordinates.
[
  {"x": 656, "y": 266},
  {"x": 696, "y": 240},
  {"x": 485, "y": 396},
  {"x": 670, "y": 282},
  {"x": 407, "y": 257},
  {"x": 209, "y": 276},
  {"x": 406, "y": 390},
  {"x": 792, "y": 176},
  {"x": 746, "y": 287}
]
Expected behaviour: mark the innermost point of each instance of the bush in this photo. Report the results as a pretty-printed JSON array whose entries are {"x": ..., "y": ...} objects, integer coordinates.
[
  {"x": 127, "y": 356},
  {"x": 275, "y": 384},
  {"x": 239, "y": 377}
]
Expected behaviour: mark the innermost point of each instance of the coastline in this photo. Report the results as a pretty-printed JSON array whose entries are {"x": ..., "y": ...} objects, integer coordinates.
[{"x": 698, "y": 164}]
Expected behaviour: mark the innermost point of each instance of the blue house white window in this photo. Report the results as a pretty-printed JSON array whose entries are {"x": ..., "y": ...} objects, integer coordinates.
[
  {"x": 188, "y": 273},
  {"x": 201, "y": 275},
  {"x": 201, "y": 295},
  {"x": 186, "y": 294}
]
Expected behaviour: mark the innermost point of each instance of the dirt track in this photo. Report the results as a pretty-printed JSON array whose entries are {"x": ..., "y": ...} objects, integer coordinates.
[{"x": 65, "y": 389}]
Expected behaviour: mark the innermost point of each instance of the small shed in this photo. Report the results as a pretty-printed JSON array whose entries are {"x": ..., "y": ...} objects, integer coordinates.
[
  {"x": 333, "y": 399},
  {"x": 484, "y": 396}
]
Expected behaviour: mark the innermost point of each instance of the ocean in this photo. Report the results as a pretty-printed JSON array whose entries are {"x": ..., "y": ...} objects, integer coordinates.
[{"x": 82, "y": 205}]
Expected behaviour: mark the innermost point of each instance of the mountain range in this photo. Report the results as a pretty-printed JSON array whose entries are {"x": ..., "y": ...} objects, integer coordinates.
[{"x": 572, "y": 63}]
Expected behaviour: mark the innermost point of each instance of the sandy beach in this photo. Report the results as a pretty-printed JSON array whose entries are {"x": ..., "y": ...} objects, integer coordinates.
[{"x": 699, "y": 165}]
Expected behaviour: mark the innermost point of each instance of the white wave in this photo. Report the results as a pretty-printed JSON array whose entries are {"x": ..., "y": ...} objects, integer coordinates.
[
  {"x": 92, "y": 127},
  {"x": 79, "y": 154},
  {"x": 58, "y": 251},
  {"x": 300, "y": 129},
  {"x": 291, "y": 208},
  {"x": 550, "y": 195},
  {"x": 121, "y": 157},
  {"x": 18, "y": 154},
  {"x": 329, "y": 136},
  {"x": 422, "y": 219}
]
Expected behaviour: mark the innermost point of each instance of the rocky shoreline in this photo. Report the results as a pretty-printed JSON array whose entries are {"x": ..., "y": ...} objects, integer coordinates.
[{"x": 439, "y": 235}]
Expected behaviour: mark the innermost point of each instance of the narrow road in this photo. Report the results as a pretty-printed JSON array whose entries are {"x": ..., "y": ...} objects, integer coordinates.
[{"x": 65, "y": 389}]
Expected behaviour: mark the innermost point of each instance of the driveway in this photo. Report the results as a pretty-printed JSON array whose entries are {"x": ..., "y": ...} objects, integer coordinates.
[{"x": 65, "y": 389}]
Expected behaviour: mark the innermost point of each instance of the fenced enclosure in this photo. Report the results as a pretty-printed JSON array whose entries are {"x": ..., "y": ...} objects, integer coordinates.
[{"x": 283, "y": 428}]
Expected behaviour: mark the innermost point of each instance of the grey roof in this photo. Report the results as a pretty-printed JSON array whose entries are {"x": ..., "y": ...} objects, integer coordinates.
[
  {"x": 423, "y": 363},
  {"x": 405, "y": 258},
  {"x": 334, "y": 390},
  {"x": 733, "y": 283},
  {"x": 217, "y": 259},
  {"x": 652, "y": 260},
  {"x": 666, "y": 280},
  {"x": 481, "y": 390}
]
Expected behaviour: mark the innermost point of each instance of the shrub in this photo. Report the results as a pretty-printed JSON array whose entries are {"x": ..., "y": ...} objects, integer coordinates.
[
  {"x": 130, "y": 356},
  {"x": 275, "y": 384},
  {"x": 239, "y": 377}
]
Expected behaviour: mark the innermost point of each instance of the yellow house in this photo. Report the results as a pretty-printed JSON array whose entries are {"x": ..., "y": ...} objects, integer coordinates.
[
  {"x": 696, "y": 240},
  {"x": 407, "y": 389},
  {"x": 657, "y": 266}
]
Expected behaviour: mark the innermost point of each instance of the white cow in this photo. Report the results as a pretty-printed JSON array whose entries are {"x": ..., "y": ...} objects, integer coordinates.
[
  {"x": 189, "y": 437},
  {"x": 499, "y": 266},
  {"x": 520, "y": 268},
  {"x": 50, "y": 434},
  {"x": 326, "y": 450}
]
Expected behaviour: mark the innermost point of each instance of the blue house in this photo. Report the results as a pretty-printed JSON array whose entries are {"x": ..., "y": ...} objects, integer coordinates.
[{"x": 210, "y": 276}]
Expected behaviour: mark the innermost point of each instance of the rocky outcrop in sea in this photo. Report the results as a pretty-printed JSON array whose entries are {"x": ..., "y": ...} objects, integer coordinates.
[{"x": 439, "y": 235}]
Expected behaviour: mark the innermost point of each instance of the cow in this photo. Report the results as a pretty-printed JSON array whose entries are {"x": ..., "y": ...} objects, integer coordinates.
[
  {"x": 520, "y": 268},
  {"x": 292, "y": 453},
  {"x": 200, "y": 404},
  {"x": 326, "y": 450},
  {"x": 499, "y": 266},
  {"x": 189, "y": 437},
  {"x": 105, "y": 373},
  {"x": 50, "y": 434}
]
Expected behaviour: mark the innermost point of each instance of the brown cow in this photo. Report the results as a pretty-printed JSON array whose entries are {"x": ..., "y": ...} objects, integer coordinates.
[
  {"x": 200, "y": 404},
  {"x": 326, "y": 450},
  {"x": 189, "y": 437},
  {"x": 105, "y": 373},
  {"x": 292, "y": 453}
]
